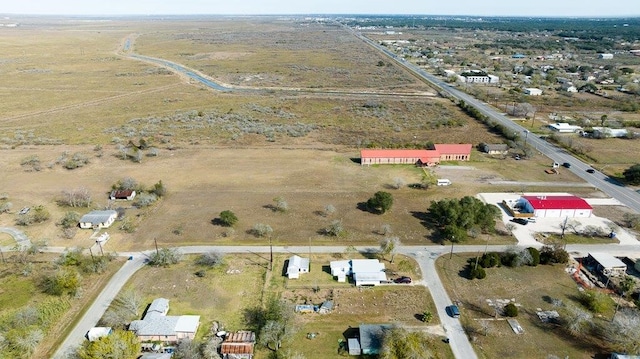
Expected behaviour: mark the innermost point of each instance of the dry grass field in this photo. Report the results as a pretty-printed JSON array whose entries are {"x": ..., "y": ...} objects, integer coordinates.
[{"x": 532, "y": 288}]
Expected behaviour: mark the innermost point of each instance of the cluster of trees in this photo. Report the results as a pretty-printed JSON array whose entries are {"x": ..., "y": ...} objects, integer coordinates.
[
  {"x": 23, "y": 329},
  {"x": 144, "y": 196},
  {"x": 164, "y": 257},
  {"x": 454, "y": 219},
  {"x": 273, "y": 323},
  {"x": 515, "y": 258},
  {"x": 120, "y": 344},
  {"x": 492, "y": 125}
]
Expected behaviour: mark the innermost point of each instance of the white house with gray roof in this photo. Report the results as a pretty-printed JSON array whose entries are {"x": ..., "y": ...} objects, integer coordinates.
[
  {"x": 156, "y": 325},
  {"x": 98, "y": 219}
]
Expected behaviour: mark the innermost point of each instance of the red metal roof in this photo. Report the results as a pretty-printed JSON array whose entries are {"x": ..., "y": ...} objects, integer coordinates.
[
  {"x": 441, "y": 149},
  {"x": 454, "y": 149},
  {"x": 557, "y": 202},
  {"x": 398, "y": 153}
]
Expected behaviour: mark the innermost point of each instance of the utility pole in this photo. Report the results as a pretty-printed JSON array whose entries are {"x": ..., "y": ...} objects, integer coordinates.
[
  {"x": 270, "y": 254},
  {"x": 2, "y": 255},
  {"x": 452, "y": 240},
  {"x": 155, "y": 240},
  {"x": 100, "y": 245}
]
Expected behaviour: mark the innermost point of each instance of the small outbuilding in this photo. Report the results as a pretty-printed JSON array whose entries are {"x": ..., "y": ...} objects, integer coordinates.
[
  {"x": 98, "y": 219},
  {"x": 363, "y": 271},
  {"x": 238, "y": 345},
  {"x": 125, "y": 195},
  {"x": 354, "y": 346},
  {"x": 532, "y": 91},
  {"x": 495, "y": 149},
  {"x": 607, "y": 264},
  {"x": 297, "y": 265}
]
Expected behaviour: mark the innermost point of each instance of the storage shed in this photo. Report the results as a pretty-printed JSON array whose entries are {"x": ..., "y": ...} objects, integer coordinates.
[{"x": 607, "y": 264}]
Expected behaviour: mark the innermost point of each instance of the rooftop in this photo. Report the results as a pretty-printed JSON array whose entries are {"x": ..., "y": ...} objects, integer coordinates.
[{"x": 557, "y": 202}]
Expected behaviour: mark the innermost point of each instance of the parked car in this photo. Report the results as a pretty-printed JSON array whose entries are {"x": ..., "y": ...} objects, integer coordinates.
[
  {"x": 532, "y": 219},
  {"x": 591, "y": 170},
  {"x": 404, "y": 280},
  {"x": 522, "y": 221},
  {"x": 453, "y": 311},
  {"x": 24, "y": 210},
  {"x": 566, "y": 165}
]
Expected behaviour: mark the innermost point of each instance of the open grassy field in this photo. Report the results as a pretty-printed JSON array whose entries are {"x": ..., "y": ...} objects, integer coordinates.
[
  {"x": 531, "y": 288},
  {"x": 243, "y": 282}
]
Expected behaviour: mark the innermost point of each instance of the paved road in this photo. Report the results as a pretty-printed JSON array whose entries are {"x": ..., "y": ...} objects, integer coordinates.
[
  {"x": 21, "y": 239},
  {"x": 599, "y": 180},
  {"x": 98, "y": 307}
]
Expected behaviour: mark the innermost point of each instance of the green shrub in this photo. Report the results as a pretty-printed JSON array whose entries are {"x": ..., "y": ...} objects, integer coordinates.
[
  {"x": 510, "y": 310},
  {"x": 535, "y": 256}
]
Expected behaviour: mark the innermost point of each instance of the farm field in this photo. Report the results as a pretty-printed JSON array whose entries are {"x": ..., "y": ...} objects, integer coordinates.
[
  {"x": 223, "y": 295},
  {"x": 531, "y": 288}
]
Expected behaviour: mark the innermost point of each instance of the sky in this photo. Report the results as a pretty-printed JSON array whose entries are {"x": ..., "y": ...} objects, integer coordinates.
[{"x": 555, "y": 8}]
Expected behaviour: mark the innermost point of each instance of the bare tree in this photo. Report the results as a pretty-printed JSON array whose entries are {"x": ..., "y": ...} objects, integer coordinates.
[
  {"x": 280, "y": 204},
  {"x": 385, "y": 229},
  {"x": 624, "y": 331},
  {"x": 29, "y": 342},
  {"x": 329, "y": 210},
  {"x": 389, "y": 246},
  {"x": 335, "y": 229},
  {"x": 262, "y": 230},
  {"x": 131, "y": 301},
  {"x": 79, "y": 197},
  {"x": 577, "y": 320},
  {"x": 210, "y": 259},
  {"x": 398, "y": 183}
]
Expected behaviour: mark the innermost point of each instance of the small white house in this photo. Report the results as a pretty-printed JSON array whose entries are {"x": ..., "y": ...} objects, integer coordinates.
[
  {"x": 608, "y": 264},
  {"x": 564, "y": 127},
  {"x": 605, "y": 56},
  {"x": 609, "y": 132},
  {"x": 532, "y": 91},
  {"x": 98, "y": 219},
  {"x": 297, "y": 265},
  {"x": 364, "y": 271}
]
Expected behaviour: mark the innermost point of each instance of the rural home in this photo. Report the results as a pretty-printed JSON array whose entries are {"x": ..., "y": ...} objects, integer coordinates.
[
  {"x": 156, "y": 325},
  {"x": 297, "y": 265},
  {"x": 98, "y": 219},
  {"x": 238, "y": 345},
  {"x": 495, "y": 149},
  {"x": 370, "y": 339},
  {"x": 554, "y": 206},
  {"x": 127, "y": 195},
  {"x": 605, "y": 56},
  {"x": 96, "y": 333},
  {"x": 607, "y": 264},
  {"x": 532, "y": 91},
  {"x": 442, "y": 152},
  {"x": 156, "y": 356},
  {"x": 564, "y": 127},
  {"x": 478, "y": 77},
  {"x": 363, "y": 271}
]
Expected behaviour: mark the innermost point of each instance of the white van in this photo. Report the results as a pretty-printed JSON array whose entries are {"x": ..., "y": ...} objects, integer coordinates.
[{"x": 443, "y": 182}]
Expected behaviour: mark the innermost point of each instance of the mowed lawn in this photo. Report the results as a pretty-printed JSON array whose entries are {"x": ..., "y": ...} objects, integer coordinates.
[
  {"x": 243, "y": 282},
  {"x": 532, "y": 288}
]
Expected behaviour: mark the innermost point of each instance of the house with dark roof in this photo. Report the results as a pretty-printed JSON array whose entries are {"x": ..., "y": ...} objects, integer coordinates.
[
  {"x": 238, "y": 345},
  {"x": 554, "y": 206},
  {"x": 98, "y": 219},
  {"x": 371, "y": 337},
  {"x": 156, "y": 325},
  {"x": 495, "y": 149},
  {"x": 126, "y": 195}
]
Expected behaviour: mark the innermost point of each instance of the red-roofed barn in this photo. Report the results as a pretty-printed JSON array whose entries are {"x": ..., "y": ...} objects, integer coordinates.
[
  {"x": 555, "y": 206},
  {"x": 454, "y": 152}
]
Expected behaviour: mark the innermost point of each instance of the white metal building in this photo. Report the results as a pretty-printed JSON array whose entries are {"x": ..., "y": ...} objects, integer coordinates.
[{"x": 555, "y": 206}]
